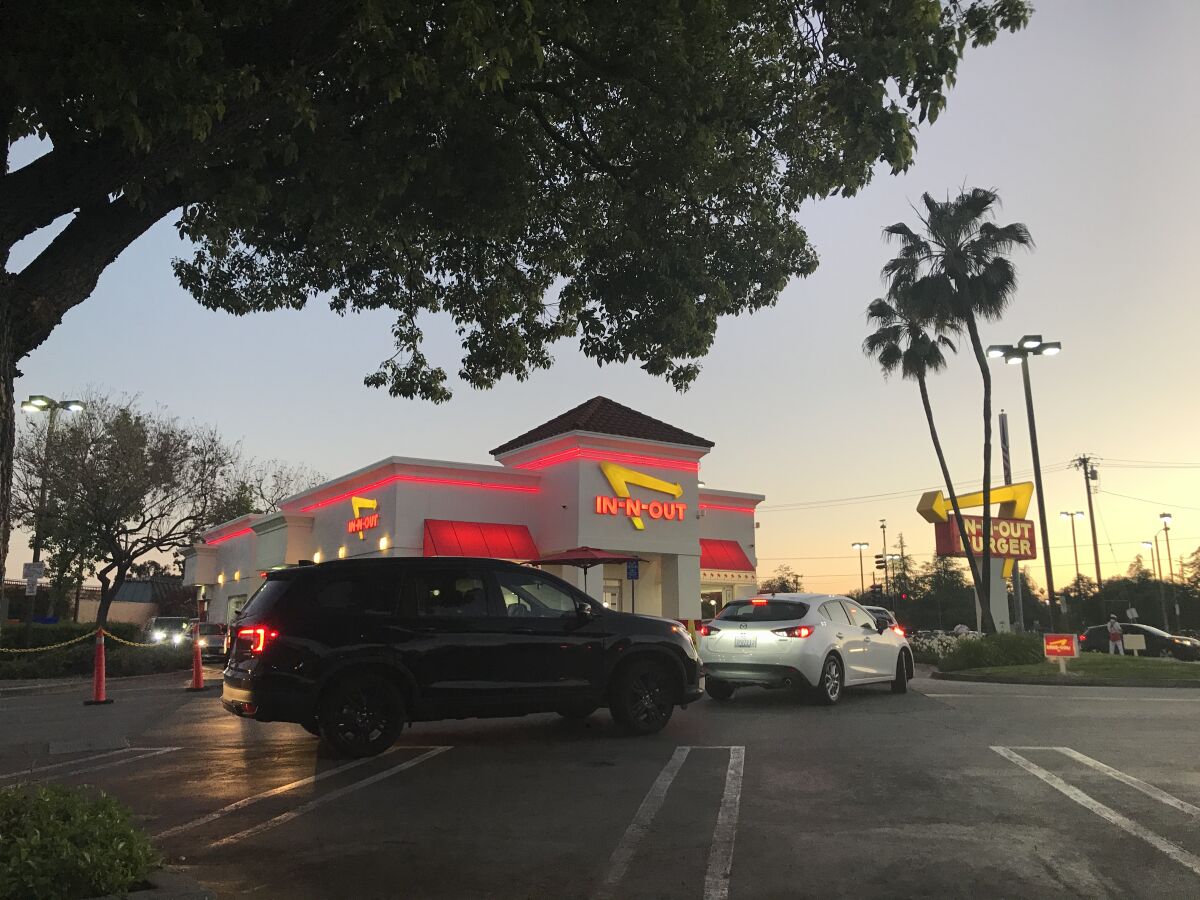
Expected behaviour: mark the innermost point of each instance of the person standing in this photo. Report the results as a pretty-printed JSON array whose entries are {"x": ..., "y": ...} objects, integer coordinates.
[{"x": 1116, "y": 638}]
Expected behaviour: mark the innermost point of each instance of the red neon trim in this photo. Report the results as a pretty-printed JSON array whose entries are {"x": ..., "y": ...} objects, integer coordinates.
[
  {"x": 749, "y": 510},
  {"x": 228, "y": 537},
  {"x": 610, "y": 456},
  {"x": 419, "y": 479}
]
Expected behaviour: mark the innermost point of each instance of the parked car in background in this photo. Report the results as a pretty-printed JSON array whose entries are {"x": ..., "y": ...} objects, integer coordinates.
[
  {"x": 169, "y": 630},
  {"x": 213, "y": 645},
  {"x": 353, "y": 650},
  {"x": 882, "y": 615},
  {"x": 805, "y": 642},
  {"x": 1158, "y": 642}
]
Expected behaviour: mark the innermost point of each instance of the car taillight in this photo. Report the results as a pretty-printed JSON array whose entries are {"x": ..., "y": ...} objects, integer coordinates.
[
  {"x": 759, "y": 601},
  {"x": 258, "y": 636},
  {"x": 898, "y": 630},
  {"x": 706, "y": 630},
  {"x": 796, "y": 631},
  {"x": 1083, "y": 637}
]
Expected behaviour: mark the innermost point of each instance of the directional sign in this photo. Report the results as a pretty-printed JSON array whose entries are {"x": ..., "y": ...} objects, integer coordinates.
[
  {"x": 1059, "y": 646},
  {"x": 631, "y": 570}
]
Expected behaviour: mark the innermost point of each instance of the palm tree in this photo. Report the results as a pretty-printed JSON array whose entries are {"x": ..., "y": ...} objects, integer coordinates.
[
  {"x": 956, "y": 273},
  {"x": 900, "y": 343}
]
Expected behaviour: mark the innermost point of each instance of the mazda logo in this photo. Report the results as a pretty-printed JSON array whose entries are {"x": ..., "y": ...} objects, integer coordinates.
[{"x": 742, "y": 626}]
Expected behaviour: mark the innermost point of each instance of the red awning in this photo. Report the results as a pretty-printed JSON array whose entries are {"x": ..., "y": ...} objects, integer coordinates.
[
  {"x": 726, "y": 555},
  {"x": 500, "y": 541}
]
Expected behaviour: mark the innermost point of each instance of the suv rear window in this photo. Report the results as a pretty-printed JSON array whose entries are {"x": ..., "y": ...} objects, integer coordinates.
[
  {"x": 771, "y": 611},
  {"x": 264, "y": 599}
]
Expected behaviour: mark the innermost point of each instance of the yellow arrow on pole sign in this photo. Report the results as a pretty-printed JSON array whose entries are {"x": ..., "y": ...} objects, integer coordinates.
[{"x": 1014, "y": 500}]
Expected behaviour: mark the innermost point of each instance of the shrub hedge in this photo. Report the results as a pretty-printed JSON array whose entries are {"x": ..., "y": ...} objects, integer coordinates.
[
  {"x": 992, "y": 650},
  {"x": 64, "y": 843},
  {"x": 78, "y": 659}
]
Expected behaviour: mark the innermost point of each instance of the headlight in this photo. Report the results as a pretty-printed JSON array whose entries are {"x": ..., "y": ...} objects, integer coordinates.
[
  {"x": 203, "y": 642},
  {"x": 159, "y": 636},
  {"x": 177, "y": 639}
]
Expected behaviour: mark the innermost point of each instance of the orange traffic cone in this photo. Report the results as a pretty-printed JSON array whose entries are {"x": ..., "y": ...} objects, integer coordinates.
[
  {"x": 98, "y": 683},
  {"x": 197, "y": 662}
]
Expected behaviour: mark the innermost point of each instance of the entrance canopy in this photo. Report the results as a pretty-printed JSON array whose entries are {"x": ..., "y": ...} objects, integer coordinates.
[
  {"x": 444, "y": 537},
  {"x": 727, "y": 556}
]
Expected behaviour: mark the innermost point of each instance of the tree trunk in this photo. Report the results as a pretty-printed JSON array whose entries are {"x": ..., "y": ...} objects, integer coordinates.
[
  {"x": 984, "y": 588},
  {"x": 941, "y": 456},
  {"x": 108, "y": 590}
]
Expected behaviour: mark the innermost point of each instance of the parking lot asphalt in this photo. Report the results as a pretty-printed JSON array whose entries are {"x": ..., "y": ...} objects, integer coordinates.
[{"x": 953, "y": 790}]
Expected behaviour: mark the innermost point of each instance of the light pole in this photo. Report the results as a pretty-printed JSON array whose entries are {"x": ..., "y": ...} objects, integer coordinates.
[
  {"x": 1074, "y": 544},
  {"x": 883, "y": 528},
  {"x": 38, "y": 403},
  {"x": 1156, "y": 565},
  {"x": 862, "y": 578},
  {"x": 1032, "y": 345}
]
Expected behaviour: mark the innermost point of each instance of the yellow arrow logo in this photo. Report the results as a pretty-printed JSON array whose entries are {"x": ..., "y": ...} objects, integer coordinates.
[
  {"x": 359, "y": 504},
  {"x": 619, "y": 478}
]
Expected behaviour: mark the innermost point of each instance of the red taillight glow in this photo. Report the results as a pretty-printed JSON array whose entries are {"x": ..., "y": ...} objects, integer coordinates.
[
  {"x": 706, "y": 630},
  {"x": 796, "y": 631},
  {"x": 759, "y": 601},
  {"x": 258, "y": 636},
  {"x": 1083, "y": 637},
  {"x": 898, "y": 630}
]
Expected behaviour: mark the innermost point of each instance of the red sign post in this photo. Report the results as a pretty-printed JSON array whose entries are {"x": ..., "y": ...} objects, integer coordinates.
[{"x": 1061, "y": 647}]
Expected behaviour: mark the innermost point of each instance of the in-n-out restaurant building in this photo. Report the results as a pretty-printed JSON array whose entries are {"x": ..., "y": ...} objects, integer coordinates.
[{"x": 601, "y": 475}]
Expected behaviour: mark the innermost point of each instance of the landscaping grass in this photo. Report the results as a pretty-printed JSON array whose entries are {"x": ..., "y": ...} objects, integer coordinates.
[{"x": 1099, "y": 667}]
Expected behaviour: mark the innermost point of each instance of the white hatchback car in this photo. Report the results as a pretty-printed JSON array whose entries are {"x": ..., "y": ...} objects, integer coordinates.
[{"x": 803, "y": 642}]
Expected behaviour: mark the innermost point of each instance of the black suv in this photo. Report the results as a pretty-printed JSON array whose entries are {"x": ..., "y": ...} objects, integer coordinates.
[{"x": 353, "y": 649}]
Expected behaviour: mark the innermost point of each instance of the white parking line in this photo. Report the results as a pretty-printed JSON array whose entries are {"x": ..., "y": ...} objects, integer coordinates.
[
  {"x": 619, "y": 862},
  {"x": 1148, "y": 789},
  {"x": 69, "y": 762},
  {"x": 327, "y": 798},
  {"x": 996, "y": 695},
  {"x": 720, "y": 856},
  {"x": 1110, "y": 815},
  {"x": 108, "y": 765}
]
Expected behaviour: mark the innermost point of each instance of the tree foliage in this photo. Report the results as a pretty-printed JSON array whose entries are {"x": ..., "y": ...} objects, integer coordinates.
[
  {"x": 123, "y": 485},
  {"x": 784, "y": 581}
]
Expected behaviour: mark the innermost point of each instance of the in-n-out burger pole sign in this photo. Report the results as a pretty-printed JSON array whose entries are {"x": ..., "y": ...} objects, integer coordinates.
[
  {"x": 1011, "y": 538},
  {"x": 360, "y": 522},
  {"x": 622, "y": 504}
]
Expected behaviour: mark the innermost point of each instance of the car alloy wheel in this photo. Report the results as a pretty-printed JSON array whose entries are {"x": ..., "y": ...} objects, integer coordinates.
[
  {"x": 362, "y": 716},
  {"x": 829, "y": 689},
  {"x": 643, "y": 698}
]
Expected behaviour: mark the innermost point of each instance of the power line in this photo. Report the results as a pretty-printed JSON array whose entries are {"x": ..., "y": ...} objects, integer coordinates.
[{"x": 1151, "y": 502}]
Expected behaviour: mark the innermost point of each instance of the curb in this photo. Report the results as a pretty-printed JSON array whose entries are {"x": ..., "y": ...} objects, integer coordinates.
[
  {"x": 165, "y": 885},
  {"x": 1081, "y": 681},
  {"x": 63, "y": 687}
]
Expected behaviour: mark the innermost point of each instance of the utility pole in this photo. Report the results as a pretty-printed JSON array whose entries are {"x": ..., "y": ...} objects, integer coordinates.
[
  {"x": 1018, "y": 599},
  {"x": 1084, "y": 463}
]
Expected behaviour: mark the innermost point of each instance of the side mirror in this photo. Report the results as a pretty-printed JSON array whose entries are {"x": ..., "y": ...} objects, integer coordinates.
[{"x": 585, "y": 610}]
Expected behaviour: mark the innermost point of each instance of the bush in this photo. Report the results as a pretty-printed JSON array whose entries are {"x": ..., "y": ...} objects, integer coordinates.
[
  {"x": 932, "y": 649},
  {"x": 64, "y": 843},
  {"x": 992, "y": 650}
]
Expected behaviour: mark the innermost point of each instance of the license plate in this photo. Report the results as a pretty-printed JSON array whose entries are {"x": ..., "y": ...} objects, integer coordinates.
[{"x": 745, "y": 640}]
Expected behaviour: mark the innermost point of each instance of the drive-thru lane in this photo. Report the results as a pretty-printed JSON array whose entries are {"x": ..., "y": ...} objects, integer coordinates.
[{"x": 953, "y": 790}]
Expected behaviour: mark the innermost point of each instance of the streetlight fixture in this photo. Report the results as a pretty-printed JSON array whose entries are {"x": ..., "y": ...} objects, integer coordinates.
[
  {"x": 1018, "y": 355},
  {"x": 862, "y": 578},
  {"x": 1074, "y": 544},
  {"x": 38, "y": 403}
]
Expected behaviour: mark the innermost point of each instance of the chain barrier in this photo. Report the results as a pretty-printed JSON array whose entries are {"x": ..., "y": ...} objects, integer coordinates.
[
  {"x": 77, "y": 640},
  {"x": 74, "y": 640}
]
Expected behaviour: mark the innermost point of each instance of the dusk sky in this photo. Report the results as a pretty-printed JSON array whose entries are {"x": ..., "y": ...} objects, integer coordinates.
[{"x": 1085, "y": 122}]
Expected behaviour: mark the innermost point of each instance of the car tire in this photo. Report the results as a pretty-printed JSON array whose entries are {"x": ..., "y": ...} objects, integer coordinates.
[
  {"x": 831, "y": 683},
  {"x": 1165, "y": 653},
  {"x": 900, "y": 682},
  {"x": 643, "y": 697},
  {"x": 718, "y": 690},
  {"x": 361, "y": 715},
  {"x": 577, "y": 713}
]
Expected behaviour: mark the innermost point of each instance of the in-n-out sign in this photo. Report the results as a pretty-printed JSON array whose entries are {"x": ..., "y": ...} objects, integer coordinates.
[
  {"x": 620, "y": 478},
  {"x": 360, "y": 522},
  {"x": 1011, "y": 538}
]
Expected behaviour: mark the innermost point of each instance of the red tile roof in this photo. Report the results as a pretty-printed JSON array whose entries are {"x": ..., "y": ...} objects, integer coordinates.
[
  {"x": 604, "y": 416},
  {"x": 727, "y": 556}
]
